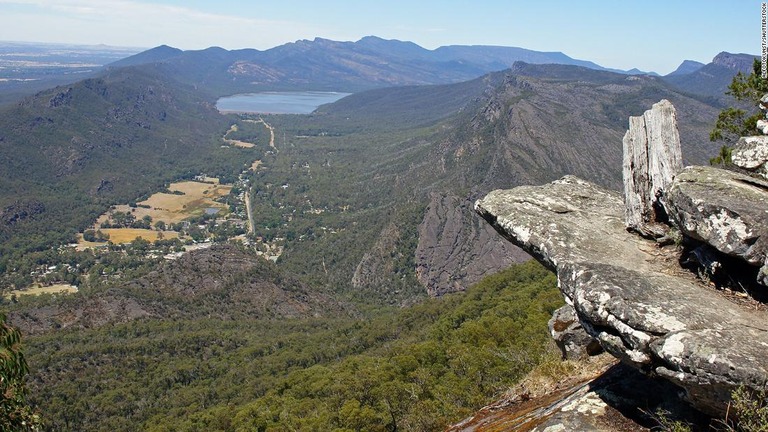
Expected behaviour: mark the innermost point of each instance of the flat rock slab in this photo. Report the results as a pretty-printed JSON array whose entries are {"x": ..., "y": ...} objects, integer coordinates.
[{"x": 627, "y": 295}]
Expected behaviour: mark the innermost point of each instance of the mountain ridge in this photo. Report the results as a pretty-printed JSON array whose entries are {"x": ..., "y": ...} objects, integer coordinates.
[
  {"x": 324, "y": 64},
  {"x": 712, "y": 79}
]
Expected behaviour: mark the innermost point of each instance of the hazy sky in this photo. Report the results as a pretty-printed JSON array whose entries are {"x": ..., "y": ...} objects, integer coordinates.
[{"x": 650, "y": 35}]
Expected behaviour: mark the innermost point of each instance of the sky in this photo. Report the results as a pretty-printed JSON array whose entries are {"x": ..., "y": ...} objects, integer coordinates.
[{"x": 650, "y": 35}]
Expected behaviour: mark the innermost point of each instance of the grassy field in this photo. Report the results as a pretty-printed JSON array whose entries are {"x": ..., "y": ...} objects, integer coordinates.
[
  {"x": 37, "y": 290},
  {"x": 125, "y": 235},
  {"x": 242, "y": 144},
  {"x": 172, "y": 208},
  {"x": 234, "y": 142}
]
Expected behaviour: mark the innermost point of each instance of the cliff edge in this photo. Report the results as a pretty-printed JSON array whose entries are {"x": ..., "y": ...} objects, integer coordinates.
[{"x": 631, "y": 294}]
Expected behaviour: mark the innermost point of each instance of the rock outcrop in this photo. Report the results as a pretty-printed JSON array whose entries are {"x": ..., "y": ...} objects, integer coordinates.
[
  {"x": 751, "y": 154},
  {"x": 652, "y": 157},
  {"x": 630, "y": 295},
  {"x": 574, "y": 342},
  {"x": 724, "y": 209},
  {"x": 598, "y": 397}
]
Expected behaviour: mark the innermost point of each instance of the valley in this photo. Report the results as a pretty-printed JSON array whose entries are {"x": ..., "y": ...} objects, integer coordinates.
[{"x": 295, "y": 271}]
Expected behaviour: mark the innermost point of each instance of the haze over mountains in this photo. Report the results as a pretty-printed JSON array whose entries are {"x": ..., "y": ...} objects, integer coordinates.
[{"x": 345, "y": 66}]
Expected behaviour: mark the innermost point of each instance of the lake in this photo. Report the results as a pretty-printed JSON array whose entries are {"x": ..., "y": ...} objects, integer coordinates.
[{"x": 277, "y": 102}]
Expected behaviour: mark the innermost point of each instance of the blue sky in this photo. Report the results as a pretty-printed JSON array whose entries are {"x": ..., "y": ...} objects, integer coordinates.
[{"x": 650, "y": 35}]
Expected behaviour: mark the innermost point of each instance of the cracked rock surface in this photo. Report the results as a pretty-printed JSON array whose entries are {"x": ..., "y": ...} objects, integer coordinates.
[
  {"x": 725, "y": 209},
  {"x": 570, "y": 337},
  {"x": 628, "y": 296},
  {"x": 751, "y": 153}
]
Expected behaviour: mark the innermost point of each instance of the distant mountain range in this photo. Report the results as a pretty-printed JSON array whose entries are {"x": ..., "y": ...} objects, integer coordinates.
[
  {"x": 323, "y": 64},
  {"x": 713, "y": 78}
]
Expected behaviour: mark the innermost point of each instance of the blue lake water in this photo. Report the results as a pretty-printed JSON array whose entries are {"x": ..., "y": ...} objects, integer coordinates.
[{"x": 277, "y": 102}]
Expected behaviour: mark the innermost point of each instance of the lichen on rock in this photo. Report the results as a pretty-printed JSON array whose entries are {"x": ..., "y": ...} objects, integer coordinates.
[{"x": 625, "y": 294}]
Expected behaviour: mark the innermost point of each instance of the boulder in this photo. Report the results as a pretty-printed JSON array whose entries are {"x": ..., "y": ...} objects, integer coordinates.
[
  {"x": 630, "y": 295},
  {"x": 724, "y": 209},
  {"x": 751, "y": 153},
  {"x": 652, "y": 157},
  {"x": 574, "y": 342}
]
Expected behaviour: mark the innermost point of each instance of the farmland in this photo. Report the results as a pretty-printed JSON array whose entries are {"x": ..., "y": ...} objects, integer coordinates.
[
  {"x": 127, "y": 235},
  {"x": 38, "y": 290},
  {"x": 191, "y": 198}
]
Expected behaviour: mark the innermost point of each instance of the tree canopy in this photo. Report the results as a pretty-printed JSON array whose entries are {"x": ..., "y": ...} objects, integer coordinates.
[
  {"x": 733, "y": 122},
  {"x": 15, "y": 413}
]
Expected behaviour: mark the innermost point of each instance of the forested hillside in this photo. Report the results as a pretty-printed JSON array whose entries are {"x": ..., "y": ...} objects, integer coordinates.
[
  {"x": 69, "y": 153},
  {"x": 417, "y": 368}
]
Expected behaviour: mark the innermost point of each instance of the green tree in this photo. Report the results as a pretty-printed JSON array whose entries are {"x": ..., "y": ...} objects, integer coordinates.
[
  {"x": 733, "y": 123},
  {"x": 15, "y": 413},
  {"x": 89, "y": 235}
]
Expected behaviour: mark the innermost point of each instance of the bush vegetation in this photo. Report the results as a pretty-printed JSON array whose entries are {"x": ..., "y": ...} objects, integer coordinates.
[{"x": 416, "y": 368}]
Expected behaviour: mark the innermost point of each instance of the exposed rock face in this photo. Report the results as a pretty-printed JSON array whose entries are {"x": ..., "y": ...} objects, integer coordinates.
[
  {"x": 455, "y": 249},
  {"x": 574, "y": 342},
  {"x": 724, "y": 209},
  {"x": 751, "y": 153},
  {"x": 377, "y": 260},
  {"x": 630, "y": 295},
  {"x": 652, "y": 157}
]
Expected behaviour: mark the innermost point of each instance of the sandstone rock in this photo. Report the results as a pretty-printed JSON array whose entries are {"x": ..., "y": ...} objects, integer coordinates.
[
  {"x": 725, "y": 209},
  {"x": 751, "y": 153},
  {"x": 629, "y": 295},
  {"x": 762, "y": 126},
  {"x": 652, "y": 157},
  {"x": 570, "y": 336}
]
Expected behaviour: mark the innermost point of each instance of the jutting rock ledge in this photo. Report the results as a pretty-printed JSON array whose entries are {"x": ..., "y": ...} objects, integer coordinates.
[{"x": 630, "y": 293}]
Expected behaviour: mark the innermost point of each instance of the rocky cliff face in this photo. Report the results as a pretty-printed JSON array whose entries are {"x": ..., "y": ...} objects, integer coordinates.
[
  {"x": 631, "y": 295},
  {"x": 456, "y": 250},
  {"x": 524, "y": 129}
]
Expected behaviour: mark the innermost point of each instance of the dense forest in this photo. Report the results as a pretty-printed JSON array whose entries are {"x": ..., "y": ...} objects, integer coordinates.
[{"x": 417, "y": 368}]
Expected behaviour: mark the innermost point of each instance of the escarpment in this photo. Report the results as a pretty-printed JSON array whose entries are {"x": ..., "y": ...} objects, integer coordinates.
[{"x": 629, "y": 292}]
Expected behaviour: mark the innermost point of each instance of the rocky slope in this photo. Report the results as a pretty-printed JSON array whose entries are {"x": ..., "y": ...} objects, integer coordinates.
[
  {"x": 456, "y": 249},
  {"x": 523, "y": 129}
]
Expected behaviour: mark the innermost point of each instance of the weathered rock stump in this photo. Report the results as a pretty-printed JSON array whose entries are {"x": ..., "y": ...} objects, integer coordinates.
[{"x": 652, "y": 157}]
